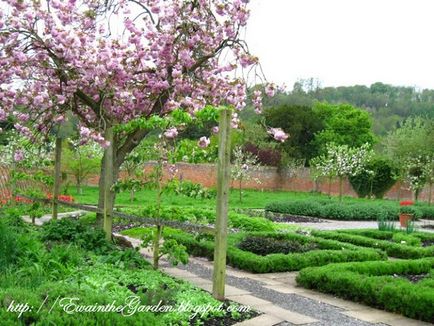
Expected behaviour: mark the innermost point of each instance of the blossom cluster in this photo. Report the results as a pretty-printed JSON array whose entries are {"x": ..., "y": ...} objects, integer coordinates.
[{"x": 62, "y": 56}]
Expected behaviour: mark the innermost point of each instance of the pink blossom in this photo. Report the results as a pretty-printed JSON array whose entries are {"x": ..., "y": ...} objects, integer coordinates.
[
  {"x": 84, "y": 132},
  {"x": 278, "y": 134},
  {"x": 270, "y": 90},
  {"x": 215, "y": 130},
  {"x": 18, "y": 155},
  {"x": 171, "y": 133},
  {"x": 203, "y": 142}
]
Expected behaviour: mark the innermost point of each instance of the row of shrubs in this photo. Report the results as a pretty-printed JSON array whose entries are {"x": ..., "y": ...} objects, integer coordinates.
[
  {"x": 204, "y": 216},
  {"x": 379, "y": 284},
  {"x": 331, "y": 209},
  {"x": 415, "y": 238},
  {"x": 330, "y": 252},
  {"x": 392, "y": 249}
]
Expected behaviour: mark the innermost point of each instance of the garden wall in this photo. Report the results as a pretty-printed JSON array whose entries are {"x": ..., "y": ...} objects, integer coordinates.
[{"x": 271, "y": 179}]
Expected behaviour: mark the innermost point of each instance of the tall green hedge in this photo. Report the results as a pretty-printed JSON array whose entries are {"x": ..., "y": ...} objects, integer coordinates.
[{"x": 378, "y": 284}]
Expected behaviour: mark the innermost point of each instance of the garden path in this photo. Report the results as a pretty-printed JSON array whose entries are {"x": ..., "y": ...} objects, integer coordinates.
[
  {"x": 335, "y": 225},
  {"x": 280, "y": 300}
]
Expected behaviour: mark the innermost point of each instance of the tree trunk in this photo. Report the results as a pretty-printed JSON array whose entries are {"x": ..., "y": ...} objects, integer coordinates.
[
  {"x": 156, "y": 246},
  {"x": 221, "y": 224},
  {"x": 341, "y": 181},
  {"x": 330, "y": 186},
  {"x": 131, "y": 195},
  {"x": 119, "y": 154},
  {"x": 241, "y": 190},
  {"x": 57, "y": 179},
  {"x": 430, "y": 194},
  {"x": 108, "y": 182}
]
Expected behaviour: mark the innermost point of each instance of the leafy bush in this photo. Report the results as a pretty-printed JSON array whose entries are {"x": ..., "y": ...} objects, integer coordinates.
[
  {"x": 378, "y": 183},
  {"x": 205, "y": 216},
  {"x": 74, "y": 231},
  {"x": 375, "y": 284},
  {"x": 415, "y": 211},
  {"x": 264, "y": 246},
  {"x": 426, "y": 211},
  {"x": 189, "y": 189},
  {"x": 331, "y": 251},
  {"x": 330, "y": 209},
  {"x": 8, "y": 245}
]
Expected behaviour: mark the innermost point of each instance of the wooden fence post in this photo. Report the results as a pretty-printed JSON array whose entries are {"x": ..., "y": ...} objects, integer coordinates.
[
  {"x": 57, "y": 179},
  {"x": 108, "y": 182},
  {"x": 223, "y": 180}
]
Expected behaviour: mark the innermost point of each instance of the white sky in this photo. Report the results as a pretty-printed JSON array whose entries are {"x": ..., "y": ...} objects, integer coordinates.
[{"x": 344, "y": 42}]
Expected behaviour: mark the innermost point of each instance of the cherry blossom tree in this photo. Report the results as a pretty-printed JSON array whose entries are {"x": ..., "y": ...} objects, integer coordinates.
[
  {"x": 243, "y": 166},
  {"x": 119, "y": 65},
  {"x": 342, "y": 161}
]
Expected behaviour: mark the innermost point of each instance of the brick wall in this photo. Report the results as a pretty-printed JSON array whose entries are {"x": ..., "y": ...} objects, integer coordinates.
[{"x": 271, "y": 179}]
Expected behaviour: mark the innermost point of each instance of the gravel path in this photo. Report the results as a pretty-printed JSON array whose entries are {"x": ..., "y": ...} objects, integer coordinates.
[
  {"x": 335, "y": 225},
  {"x": 327, "y": 315}
]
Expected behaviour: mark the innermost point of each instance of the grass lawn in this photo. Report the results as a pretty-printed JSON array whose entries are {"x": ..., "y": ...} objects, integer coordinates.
[{"x": 251, "y": 198}]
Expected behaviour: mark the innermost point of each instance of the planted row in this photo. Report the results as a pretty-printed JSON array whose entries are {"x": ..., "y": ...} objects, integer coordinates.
[
  {"x": 205, "y": 216},
  {"x": 331, "y": 209},
  {"x": 384, "y": 285},
  {"x": 393, "y": 249}
]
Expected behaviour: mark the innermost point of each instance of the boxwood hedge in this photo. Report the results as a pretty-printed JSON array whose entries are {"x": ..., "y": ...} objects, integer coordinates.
[
  {"x": 329, "y": 251},
  {"x": 380, "y": 284},
  {"x": 392, "y": 249},
  {"x": 331, "y": 209}
]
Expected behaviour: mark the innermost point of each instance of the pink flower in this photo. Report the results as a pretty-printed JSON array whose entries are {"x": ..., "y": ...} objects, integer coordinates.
[
  {"x": 270, "y": 90},
  {"x": 278, "y": 134},
  {"x": 84, "y": 132},
  {"x": 171, "y": 133},
  {"x": 215, "y": 130},
  {"x": 203, "y": 142},
  {"x": 18, "y": 156}
]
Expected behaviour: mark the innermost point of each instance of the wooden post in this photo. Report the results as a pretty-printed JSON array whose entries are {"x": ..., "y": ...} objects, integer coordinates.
[
  {"x": 57, "y": 179},
  {"x": 223, "y": 180},
  {"x": 108, "y": 182}
]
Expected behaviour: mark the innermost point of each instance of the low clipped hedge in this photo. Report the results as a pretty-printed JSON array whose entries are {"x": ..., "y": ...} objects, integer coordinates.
[
  {"x": 329, "y": 252},
  {"x": 388, "y": 235},
  {"x": 376, "y": 284},
  {"x": 392, "y": 249},
  {"x": 330, "y": 209},
  {"x": 359, "y": 211}
]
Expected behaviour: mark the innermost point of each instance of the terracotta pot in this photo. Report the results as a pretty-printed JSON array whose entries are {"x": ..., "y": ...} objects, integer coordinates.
[{"x": 404, "y": 219}]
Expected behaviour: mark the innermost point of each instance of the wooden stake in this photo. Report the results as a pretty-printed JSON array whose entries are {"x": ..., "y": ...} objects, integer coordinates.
[
  {"x": 57, "y": 177},
  {"x": 223, "y": 180},
  {"x": 108, "y": 182}
]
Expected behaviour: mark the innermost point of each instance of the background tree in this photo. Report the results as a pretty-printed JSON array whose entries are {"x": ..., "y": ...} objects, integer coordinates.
[
  {"x": 243, "y": 166},
  {"x": 412, "y": 140},
  {"x": 343, "y": 125},
  {"x": 301, "y": 123},
  {"x": 81, "y": 161},
  {"x": 343, "y": 161},
  {"x": 376, "y": 179}
]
